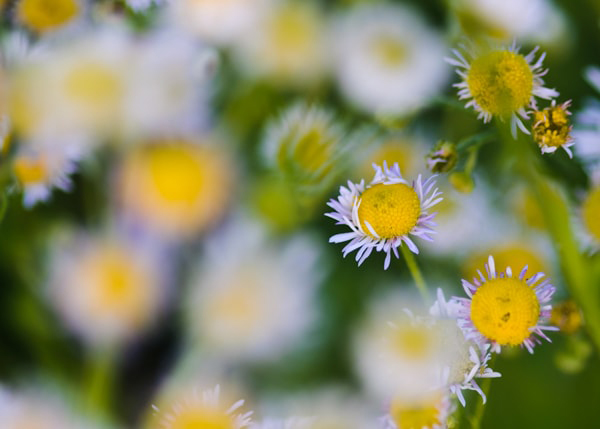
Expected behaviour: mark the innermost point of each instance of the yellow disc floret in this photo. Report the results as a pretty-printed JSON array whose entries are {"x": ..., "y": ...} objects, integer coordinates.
[
  {"x": 423, "y": 415},
  {"x": 391, "y": 210},
  {"x": 46, "y": 15},
  {"x": 504, "y": 310},
  {"x": 591, "y": 213},
  {"x": 500, "y": 82},
  {"x": 31, "y": 170},
  {"x": 551, "y": 126},
  {"x": 201, "y": 417}
]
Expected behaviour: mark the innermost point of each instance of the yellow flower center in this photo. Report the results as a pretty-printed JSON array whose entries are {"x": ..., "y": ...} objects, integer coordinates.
[
  {"x": 402, "y": 152},
  {"x": 501, "y": 82},
  {"x": 390, "y": 51},
  {"x": 504, "y": 309},
  {"x": 30, "y": 171},
  {"x": 46, "y": 15},
  {"x": 566, "y": 316},
  {"x": 201, "y": 418},
  {"x": 391, "y": 210},
  {"x": 310, "y": 153},
  {"x": 414, "y": 342},
  {"x": 416, "y": 416},
  {"x": 177, "y": 173},
  {"x": 591, "y": 213},
  {"x": 551, "y": 126}
]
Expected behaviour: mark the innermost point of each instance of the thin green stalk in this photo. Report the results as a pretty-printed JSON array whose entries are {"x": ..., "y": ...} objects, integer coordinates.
[
  {"x": 99, "y": 380},
  {"x": 415, "y": 272}
]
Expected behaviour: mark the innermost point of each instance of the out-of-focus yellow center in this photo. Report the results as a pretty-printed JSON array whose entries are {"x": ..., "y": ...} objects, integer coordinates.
[
  {"x": 567, "y": 316},
  {"x": 31, "y": 170},
  {"x": 46, "y": 15},
  {"x": 514, "y": 255},
  {"x": 504, "y": 309},
  {"x": 94, "y": 86},
  {"x": 591, "y": 213},
  {"x": 238, "y": 307},
  {"x": 501, "y": 82},
  {"x": 200, "y": 418},
  {"x": 391, "y": 210},
  {"x": 395, "y": 151},
  {"x": 390, "y": 51},
  {"x": 551, "y": 126},
  {"x": 414, "y": 342},
  {"x": 177, "y": 173},
  {"x": 422, "y": 415},
  {"x": 312, "y": 151}
]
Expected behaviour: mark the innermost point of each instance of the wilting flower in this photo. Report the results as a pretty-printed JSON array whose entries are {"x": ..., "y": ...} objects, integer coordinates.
[
  {"x": 202, "y": 409},
  {"x": 501, "y": 83},
  {"x": 505, "y": 310},
  {"x": 382, "y": 214},
  {"x": 551, "y": 128}
]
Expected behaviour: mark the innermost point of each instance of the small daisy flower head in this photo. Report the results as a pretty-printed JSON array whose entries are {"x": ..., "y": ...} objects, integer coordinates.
[
  {"x": 43, "y": 16},
  {"x": 501, "y": 83},
  {"x": 551, "y": 128},
  {"x": 384, "y": 213},
  {"x": 175, "y": 189},
  {"x": 39, "y": 172},
  {"x": 106, "y": 289},
  {"x": 503, "y": 310},
  {"x": 388, "y": 61},
  {"x": 304, "y": 146},
  {"x": 202, "y": 409},
  {"x": 250, "y": 300},
  {"x": 430, "y": 412}
]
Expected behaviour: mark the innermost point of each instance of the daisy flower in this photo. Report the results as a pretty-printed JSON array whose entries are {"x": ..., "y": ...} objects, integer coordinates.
[
  {"x": 203, "y": 409},
  {"x": 551, "y": 128},
  {"x": 38, "y": 172},
  {"x": 431, "y": 412},
  {"x": 382, "y": 214},
  {"x": 387, "y": 60},
  {"x": 504, "y": 310},
  {"x": 501, "y": 83},
  {"x": 42, "y": 16}
]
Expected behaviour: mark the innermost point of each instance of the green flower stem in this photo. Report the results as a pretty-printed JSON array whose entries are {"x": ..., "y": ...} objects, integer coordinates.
[
  {"x": 576, "y": 269},
  {"x": 99, "y": 380},
  {"x": 417, "y": 276},
  {"x": 475, "y": 419}
]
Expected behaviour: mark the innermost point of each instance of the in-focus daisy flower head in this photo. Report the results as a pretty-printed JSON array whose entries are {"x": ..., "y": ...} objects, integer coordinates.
[
  {"x": 106, "y": 289},
  {"x": 384, "y": 213},
  {"x": 551, "y": 128},
  {"x": 175, "y": 188},
  {"x": 387, "y": 60},
  {"x": 501, "y": 82},
  {"x": 43, "y": 16},
  {"x": 288, "y": 46},
  {"x": 304, "y": 145},
  {"x": 39, "y": 172},
  {"x": 502, "y": 310},
  {"x": 201, "y": 409},
  {"x": 430, "y": 412},
  {"x": 252, "y": 300}
]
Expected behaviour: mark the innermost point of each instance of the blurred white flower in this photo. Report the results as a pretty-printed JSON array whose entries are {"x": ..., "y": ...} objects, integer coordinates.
[
  {"x": 39, "y": 171},
  {"x": 42, "y": 17},
  {"x": 107, "y": 289},
  {"x": 143, "y": 5},
  {"x": 218, "y": 21},
  {"x": 288, "y": 46},
  {"x": 251, "y": 300},
  {"x": 587, "y": 126},
  {"x": 387, "y": 60}
]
